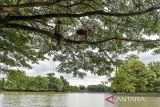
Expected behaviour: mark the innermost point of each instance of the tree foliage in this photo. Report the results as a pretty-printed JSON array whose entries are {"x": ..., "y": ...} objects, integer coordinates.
[
  {"x": 16, "y": 81},
  {"x": 98, "y": 88},
  {"x": 26, "y": 31},
  {"x": 134, "y": 76},
  {"x": 19, "y": 81},
  {"x": 1, "y": 84},
  {"x": 154, "y": 83},
  {"x": 82, "y": 88}
]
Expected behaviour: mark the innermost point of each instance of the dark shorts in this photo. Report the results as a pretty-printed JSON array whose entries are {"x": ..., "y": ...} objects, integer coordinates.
[
  {"x": 81, "y": 32},
  {"x": 58, "y": 35}
]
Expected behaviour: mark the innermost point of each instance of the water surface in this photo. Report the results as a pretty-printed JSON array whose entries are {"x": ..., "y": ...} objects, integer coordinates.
[{"x": 50, "y": 99}]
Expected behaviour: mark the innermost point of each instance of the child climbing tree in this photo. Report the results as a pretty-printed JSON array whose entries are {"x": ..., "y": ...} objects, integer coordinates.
[
  {"x": 58, "y": 33},
  {"x": 84, "y": 32},
  {"x": 119, "y": 27}
]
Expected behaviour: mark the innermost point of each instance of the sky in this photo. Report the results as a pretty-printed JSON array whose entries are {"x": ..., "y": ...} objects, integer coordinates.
[{"x": 49, "y": 66}]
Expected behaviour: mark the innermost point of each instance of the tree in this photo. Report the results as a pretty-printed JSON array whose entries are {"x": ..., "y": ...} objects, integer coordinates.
[
  {"x": 65, "y": 82},
  {"x": 81, "y": 87},
  {"x": 2, "y": 81},
  {"x": 66, "y": 86},
  {"x": 58, "y": 85},
  {"x": 154, "y": 80},
  {"x": 16, "y": 80},
  {"x": 31, "y": 86},
  {"x": 26, "y": 28},
  {"x": 98, "y": 88},
  {"x": 55, "y": 84},
  {"x": 74, "y": 89},
  {"x": 51, "y": 80},
  {"x": 131, "y": 77},
  {"x": 41, "y": 83}
]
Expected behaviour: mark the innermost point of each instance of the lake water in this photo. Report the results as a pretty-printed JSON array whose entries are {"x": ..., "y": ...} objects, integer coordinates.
[{"x": 49, "y": 99}]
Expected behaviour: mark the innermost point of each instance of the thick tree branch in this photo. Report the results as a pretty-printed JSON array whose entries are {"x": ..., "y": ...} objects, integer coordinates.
[
  {"x": 28, "y": 28},
  {"x": 109, "y": 39},
  {"x": 35, "y": 4},
  {"x": 43, "y": 23},
  {"x": 77, "y": 15}
]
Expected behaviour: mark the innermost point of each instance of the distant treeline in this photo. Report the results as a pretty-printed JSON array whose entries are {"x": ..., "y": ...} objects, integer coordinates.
[
  {"x": 132, "y": 77},
  {"x": 19, "y": 81}
]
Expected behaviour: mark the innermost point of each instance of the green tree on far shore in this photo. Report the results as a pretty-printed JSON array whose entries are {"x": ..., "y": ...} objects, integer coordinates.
[
  {"x": 2, "y": 83},
  {"x": 134, "y": 76},
  {"x": 154, "y": 80},
  {"x": 55, "y": 84},
  {"x": 16, "y": 80}
]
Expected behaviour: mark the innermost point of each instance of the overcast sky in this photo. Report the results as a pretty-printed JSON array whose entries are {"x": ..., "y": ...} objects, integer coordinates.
[{"x": 48, "y": 66}]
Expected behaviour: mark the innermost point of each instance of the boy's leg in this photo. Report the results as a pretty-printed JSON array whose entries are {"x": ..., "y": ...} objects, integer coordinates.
[
  {"x": 59, "y": 41},
  {"x": 85, "y": 37}
]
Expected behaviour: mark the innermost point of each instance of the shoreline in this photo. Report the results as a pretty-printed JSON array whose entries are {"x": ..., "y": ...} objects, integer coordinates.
[{"x": 116, "y": 94}]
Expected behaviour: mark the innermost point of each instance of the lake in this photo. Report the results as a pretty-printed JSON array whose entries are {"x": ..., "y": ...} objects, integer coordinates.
[{"x": 50, "y": 99}]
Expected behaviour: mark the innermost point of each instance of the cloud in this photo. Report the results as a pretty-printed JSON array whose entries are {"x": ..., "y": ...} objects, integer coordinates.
[
  {"x": 49, "y": 66},
  {"x": 90, "y": 79},
  {"x": 42, "y": 68},
  {"x": 149, "y": 57}
]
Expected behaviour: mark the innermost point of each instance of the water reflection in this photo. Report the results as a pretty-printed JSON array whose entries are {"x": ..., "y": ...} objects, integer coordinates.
[{"x": 49, "y": 99}]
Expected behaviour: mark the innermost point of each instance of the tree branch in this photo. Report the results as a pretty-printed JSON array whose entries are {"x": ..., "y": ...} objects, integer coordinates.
[
  {"x": 109, "y": 39},
  {"x": 28, "y": 28},
  {"x": 77, "y": 15}
]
